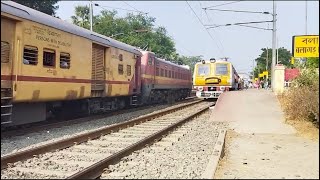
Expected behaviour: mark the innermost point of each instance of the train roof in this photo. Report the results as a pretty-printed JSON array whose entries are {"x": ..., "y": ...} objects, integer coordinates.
[
  {"x": 165, "y": 61},
  {"x": 218, "y": 60},
  {"x": 24, "y": 12}
]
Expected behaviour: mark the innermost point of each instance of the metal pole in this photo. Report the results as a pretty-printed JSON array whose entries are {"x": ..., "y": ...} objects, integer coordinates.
[
  {"x": 274, "y": 30},
  {"x": 306, "y": 17},
  {"x": 277, "y": 51},
  {"x": 267, "y": 59},
  {"x": 252, "y": 69},
  {"x": 91, "y": 14}
]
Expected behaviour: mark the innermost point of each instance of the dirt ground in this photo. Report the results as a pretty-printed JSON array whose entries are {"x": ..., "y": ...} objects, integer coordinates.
[
  {"x": 265, "y": 156},
  {"x": 305, "y": 129}
]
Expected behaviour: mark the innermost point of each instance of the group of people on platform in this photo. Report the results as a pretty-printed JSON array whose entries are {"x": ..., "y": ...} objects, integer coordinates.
[
  {"x": 258, "y": 84},
  {"x": 266, "y": 84}
]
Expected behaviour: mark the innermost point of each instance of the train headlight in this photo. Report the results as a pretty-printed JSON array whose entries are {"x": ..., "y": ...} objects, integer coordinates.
[
  {"x": 222, "y": 88},
  {"x": 213, "y": 60},
  {"x": 200, "y": 88}
]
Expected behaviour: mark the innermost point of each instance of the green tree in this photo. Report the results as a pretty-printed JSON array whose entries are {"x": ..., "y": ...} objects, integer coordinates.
[
  {"x": 81, "y": 17},
  {"x": 191, "y": 61},
  {"x": 47, "y": 6},
  {"x": 312, "y": 62},
  {"x": 284, "y": 57},
  {"x": 136, "y": 30}
]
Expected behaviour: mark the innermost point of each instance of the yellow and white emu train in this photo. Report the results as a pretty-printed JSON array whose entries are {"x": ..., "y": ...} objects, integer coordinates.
[{"x": 211, "y": 78}]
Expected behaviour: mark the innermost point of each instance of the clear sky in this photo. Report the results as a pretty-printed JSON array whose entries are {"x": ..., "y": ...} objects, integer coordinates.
[{"x": 241, "y": 44}]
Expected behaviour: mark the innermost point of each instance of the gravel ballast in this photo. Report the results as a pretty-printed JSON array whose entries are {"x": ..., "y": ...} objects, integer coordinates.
[
  {"x": 18, "y": 143},
  {"x": 64, "y": 162},
  {"x": 184, "y": 153}
]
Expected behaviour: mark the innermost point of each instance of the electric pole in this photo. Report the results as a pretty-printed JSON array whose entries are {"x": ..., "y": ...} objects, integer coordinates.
[
  {"x": 306, "y": 17},
  {"x": 267, "y": 59},
  {"x": 274, "y": 31},
  {"x": 91, "y": 14}
]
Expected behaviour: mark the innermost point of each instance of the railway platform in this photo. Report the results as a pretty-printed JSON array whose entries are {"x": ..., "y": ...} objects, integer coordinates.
[{"x": 259, "y": 144}]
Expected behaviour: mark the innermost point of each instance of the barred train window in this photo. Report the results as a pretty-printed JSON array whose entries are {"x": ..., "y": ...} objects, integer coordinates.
[
  {"x": 5, "y": 51},
  {"x": 30, "y": 55},
  {"x": 165, "y": 73},
  {"x": 128, "y": 70},
  {"x": 150, "y": 61},
  {"x": 64, "y": 60},
  {"x": 120, "y": 69},
  {"x": 49, "y": 57},
  {"x": 169, "y": 74},
  {"x": 157, "y": 71},
  {"x": 162, "y": 72}
]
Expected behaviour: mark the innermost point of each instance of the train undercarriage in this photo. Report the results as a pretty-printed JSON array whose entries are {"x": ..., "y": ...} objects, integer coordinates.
[{"x": 32, "y": 112}]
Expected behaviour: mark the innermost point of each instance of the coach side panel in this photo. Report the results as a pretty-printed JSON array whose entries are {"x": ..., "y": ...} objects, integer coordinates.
[{"x": 51, "y": 64}]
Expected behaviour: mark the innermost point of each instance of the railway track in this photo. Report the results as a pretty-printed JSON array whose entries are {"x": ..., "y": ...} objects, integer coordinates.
[
  {"x": 86, "y": 155},
  {"x": 35, "y": 127}
]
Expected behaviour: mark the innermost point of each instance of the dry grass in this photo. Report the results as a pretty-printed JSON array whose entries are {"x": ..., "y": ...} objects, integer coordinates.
[
  {"x": 303, "y": 125},
  {"x": 301, "y": 104}
]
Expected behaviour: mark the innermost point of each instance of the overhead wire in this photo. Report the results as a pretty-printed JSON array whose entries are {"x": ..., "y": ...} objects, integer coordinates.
[
  {"x": 137, "y": 10},
  {"x": 133, "y": 7},
  {"x": 223, "y": 4},
  {"x": 210, "y": 20},
  {"x": 221, "y": 51},
  {"x": 187, "y": 50},
  {"x": 119, "y": 8}
]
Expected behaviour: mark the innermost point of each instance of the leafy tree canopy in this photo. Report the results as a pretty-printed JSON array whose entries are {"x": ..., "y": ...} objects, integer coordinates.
[
  {"x": 47, "y": 6},
  {"x": 284, "y": 57},
  {"x": 312, "y": 62}
]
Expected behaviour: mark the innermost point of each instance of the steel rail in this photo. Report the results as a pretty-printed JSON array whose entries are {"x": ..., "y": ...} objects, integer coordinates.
[
  {"x": 95, "y": 170},
  {"x": 57, "y": 124},
  {"x": 65, "y": 143}
]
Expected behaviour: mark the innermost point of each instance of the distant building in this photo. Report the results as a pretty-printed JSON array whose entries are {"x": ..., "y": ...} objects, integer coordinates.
[{"x": 244, "y": 76}]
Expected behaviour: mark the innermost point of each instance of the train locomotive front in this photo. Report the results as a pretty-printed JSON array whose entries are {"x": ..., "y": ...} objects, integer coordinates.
[
  {"x": 212, "y": 78},
  {"x": 163, "y": 81}
]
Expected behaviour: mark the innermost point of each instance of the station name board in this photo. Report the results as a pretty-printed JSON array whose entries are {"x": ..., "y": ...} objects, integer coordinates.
[{"x": 305, "y": 46}]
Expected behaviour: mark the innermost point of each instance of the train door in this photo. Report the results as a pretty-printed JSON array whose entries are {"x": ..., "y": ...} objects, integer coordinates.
[
  {"x": 153, "y": 72},
  {"x": 8, "y": 29},
  {"x": 98, "y": 71},
  {"x": 137, "y": 76}
]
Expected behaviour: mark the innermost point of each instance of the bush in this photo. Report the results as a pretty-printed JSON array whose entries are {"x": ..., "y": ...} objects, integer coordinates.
[{"x": 301, "y": 101}]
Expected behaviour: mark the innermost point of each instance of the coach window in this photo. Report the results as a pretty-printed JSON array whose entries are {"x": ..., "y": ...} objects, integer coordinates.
[
  {"x": 165, "y": 73},
  {"x": 64, "y": 60},
  {"x": 162, "y": 72},
  {"x": 5, "y": 51},
  {"x": 120, "y": 69},
  {"x": 150, "y": 61},
  {"x": 120, "y": 57},
  {"x": 30, "y": 55},
  {"x": 169, "y": 74},
  {"x": 128, "y": 70},
  {"x": 49, "y": 57},
  {"x": 157, "y": 71}
]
